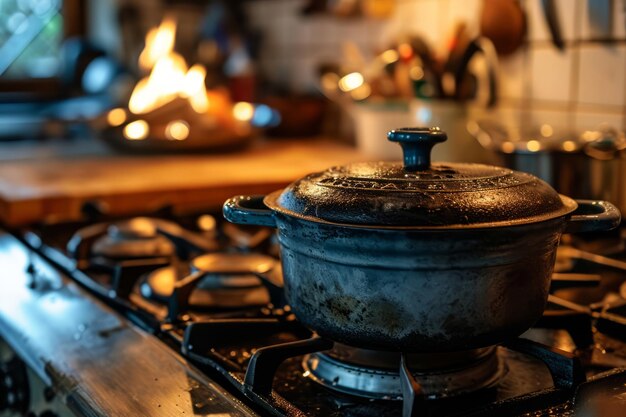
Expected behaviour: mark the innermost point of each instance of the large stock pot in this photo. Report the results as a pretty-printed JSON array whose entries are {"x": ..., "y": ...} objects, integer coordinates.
[{"x": 419, "y": 256}]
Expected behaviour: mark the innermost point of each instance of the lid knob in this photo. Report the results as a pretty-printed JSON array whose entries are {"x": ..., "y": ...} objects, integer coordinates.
[{"x": 417, "y": 142}]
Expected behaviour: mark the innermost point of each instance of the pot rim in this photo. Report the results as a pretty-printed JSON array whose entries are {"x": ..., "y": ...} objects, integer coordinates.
[{"x": 569, "y": 206}]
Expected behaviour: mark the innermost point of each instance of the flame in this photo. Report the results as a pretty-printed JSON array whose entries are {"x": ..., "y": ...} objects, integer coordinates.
[
  {"x": 194, "y": 89},
  {"x": 169, "y": 79},
  {"x": 164, "y": 84},
  {"x": 159, "y": 43}
]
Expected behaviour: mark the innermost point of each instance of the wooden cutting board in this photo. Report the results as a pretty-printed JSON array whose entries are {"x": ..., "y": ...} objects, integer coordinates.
[{"x": 53, "y": 182}]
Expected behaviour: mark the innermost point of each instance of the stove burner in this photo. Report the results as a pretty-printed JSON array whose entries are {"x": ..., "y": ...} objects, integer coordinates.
[
  {"x": 135, "y": 238},
  {"x": 201, "y": 304},
  {"x": 233, "y": 263},
  {"x": 214, "y": 291},
  {"x": 231, "y": 281},
  {"x": 375, "y": 374}
]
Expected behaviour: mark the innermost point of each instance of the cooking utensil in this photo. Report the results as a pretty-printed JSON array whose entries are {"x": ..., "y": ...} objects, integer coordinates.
[
  {"x": 456, "y": 47},
  {"x": 419, "y": 256},
  {"x": 589, "y": 165},
  {"x": 486, "y": 49},
  {"x": 431, "y": 78},
  {"x": 552, "y": 19},
  {"x": 504, "y": 23},
  {"x": 219, "y": 140},
  {"x": 606, "y": 167}
]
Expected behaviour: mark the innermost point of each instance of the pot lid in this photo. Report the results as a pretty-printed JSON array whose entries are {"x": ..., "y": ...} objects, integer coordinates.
[{"x": 418, "y": 193}]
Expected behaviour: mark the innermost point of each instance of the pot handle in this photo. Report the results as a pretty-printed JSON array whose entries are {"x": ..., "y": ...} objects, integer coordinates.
[
  {"x": 593, "y": 216},
  {"x": 244, "y": 209}
]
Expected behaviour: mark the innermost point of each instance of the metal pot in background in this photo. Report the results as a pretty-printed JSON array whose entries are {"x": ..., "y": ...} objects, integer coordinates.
[
  {"x": 606, "y": 162},
  {"x": 586, "y": 165}
]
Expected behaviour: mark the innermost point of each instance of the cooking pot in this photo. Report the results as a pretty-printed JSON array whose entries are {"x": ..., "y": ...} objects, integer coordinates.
[
  {"x": 417, "y": 256},
  {"x": 590, "y": 164}
]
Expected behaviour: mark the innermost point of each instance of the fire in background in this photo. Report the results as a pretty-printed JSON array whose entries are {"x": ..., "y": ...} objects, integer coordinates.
[{"x": 171, "y": 101}]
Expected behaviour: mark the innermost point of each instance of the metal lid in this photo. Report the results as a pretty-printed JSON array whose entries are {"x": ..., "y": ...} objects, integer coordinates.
[{"x": 419, "y": 194}]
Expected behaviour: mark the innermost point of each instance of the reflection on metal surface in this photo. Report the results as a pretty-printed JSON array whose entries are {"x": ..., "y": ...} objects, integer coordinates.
[
  {"x": 508, "y": 147},
  {"x": 569, "y": 146},
  {"x": 533, "y": 145},
  {"x": 546, "y": 130},
  {"x": 592, "y": 257},
  {"x": 233, "y": 263},
  {"x": 480, "y": 371},
  {"x": 230, "y": 280}
]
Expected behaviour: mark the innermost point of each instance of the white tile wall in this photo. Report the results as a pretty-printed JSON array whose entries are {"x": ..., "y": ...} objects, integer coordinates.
[
  {"x": 589, "y": 74},
  {"x": 467, "y": 11},
  {"x": 513, "y": 79},
  {"x": 551, "y": 74},
  {"x": 601, "y": 77},
  {"x": 423, "y": 18},
  {"x": 538, "y": 27},
  {"x": 591, "y": 120},
  {"x": 618, "y": 29}
]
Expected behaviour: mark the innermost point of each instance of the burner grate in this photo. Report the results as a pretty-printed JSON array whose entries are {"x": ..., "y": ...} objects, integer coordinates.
[
  {"x": 258, "y": 352},
  {"x": 256, "y": 378}
]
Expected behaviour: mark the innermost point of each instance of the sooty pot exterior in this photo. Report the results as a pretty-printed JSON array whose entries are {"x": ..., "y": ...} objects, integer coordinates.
[
  {"x": 417, "y": 290},
  {"x": 417, "y": 256}
]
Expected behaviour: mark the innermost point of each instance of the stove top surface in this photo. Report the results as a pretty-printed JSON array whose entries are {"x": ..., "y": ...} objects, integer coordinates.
[{"x": 213, "y": 293}]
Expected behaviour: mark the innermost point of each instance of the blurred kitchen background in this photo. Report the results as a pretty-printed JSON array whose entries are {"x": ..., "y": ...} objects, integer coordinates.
[
  {"x": 288, "y": 41},
  {"x": 539, "y": 85}
]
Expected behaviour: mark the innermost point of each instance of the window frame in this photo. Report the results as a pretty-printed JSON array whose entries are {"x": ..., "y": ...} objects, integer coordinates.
[{"x": 74, "y": 13}]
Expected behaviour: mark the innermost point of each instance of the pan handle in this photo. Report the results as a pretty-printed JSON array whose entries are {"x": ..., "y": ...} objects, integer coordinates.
[
  {"x": 593, "y": 216},
  {"x": 245, "y": 209}
]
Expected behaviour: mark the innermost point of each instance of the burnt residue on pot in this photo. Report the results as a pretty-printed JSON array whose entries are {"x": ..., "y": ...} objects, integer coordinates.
[{"x": 415, "y": 290}]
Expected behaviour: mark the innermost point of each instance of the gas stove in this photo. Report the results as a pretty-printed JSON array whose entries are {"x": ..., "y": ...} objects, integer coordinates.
[{"x": 172, "y": 315}]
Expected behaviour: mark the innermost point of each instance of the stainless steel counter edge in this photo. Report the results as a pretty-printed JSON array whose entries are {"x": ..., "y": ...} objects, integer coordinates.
[{"x": 99, "y": 363}]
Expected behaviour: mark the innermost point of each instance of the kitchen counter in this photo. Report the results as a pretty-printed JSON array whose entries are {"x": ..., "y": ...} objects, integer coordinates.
[
  {"x": 52, "y": 182},
  {"x": 98, "y": 364}
]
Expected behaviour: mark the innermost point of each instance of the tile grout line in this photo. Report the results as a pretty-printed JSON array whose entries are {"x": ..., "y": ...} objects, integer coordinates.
[
  {"x": 575, "y": 63},
  {"x": 624, "y": 57}
]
